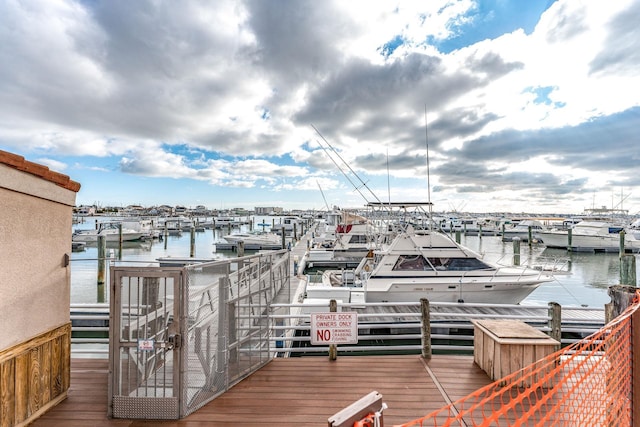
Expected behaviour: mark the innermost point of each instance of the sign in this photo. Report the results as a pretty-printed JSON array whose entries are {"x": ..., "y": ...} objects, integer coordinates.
[
  {"x": 145, "y": 345},
  {"x": 334, "y": 328}
]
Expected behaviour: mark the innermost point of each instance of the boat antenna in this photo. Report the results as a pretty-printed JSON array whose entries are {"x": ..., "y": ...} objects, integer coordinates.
[
  {"x": 388, "y": 180},
  {"x": 364, "y": 184},
  {"x": 325, "y": 199},
  {"x": 426, "y": 139}
]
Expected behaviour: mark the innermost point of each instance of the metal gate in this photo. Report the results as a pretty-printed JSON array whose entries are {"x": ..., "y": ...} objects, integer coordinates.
[
  {"x": 182, "y": 336},
  {"x": 147, "y": 323}
]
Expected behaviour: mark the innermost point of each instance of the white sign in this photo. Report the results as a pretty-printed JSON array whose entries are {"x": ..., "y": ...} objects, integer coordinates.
[
  {"x": 145, "y": 345},
  {"x": 334, "y": 328}
]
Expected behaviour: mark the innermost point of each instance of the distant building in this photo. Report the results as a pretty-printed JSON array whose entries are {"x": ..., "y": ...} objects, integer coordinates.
[{"x": 268, "y": 210}]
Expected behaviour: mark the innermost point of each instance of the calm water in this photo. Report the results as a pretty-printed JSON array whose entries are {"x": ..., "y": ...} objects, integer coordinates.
[
  {"x": 84, "y": 265},
  {"x": 586, "y": 284}
]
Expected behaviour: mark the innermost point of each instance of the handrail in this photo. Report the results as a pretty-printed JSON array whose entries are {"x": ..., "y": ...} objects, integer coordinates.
[{"x": 90, "y": 325}]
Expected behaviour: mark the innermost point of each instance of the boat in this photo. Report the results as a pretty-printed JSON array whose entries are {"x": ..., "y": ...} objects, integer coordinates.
[
  {"x": 426, "y": 264},
  {"x": 591, "y": 236},
  {"x": 521, "y": 230},
  {"x": 111, "y": 232},
  {"x": 254, "y": 238},
  {"x": 344, "y": 247}
]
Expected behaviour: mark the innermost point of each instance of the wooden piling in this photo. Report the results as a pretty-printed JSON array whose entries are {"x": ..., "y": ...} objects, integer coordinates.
[
  {"x": 516, "y": 251},
  {"x": 555, "y": 321},
  {"x": 628, "y": 270},
  {"x": 192, "y": 243},
  {"x": 102, "y": 266},
  {"x": 426, "y": 328},
  {"x": 333, "y": 349}
]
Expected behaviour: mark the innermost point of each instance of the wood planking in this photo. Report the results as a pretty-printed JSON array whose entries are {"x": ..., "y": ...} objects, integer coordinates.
[
  {"x": 35, "y": 376},
  {"x": 291, "y": 391}
]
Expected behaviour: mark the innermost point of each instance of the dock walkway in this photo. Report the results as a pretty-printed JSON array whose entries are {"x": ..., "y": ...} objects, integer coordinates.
[{"x": 291, "y": 392}]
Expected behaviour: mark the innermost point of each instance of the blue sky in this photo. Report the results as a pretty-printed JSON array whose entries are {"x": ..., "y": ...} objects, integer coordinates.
[{"x": 531, "y": 106}]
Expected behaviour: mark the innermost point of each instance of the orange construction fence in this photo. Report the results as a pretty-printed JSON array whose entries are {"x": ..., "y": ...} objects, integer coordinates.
[{"x": 586, "y": 384}]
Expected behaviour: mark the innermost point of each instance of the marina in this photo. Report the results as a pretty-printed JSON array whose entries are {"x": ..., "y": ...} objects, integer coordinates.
[{"x": 287, "y": 391}]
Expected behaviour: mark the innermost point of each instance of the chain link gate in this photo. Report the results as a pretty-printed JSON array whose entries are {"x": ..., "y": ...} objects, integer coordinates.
[
  {"x": 181, "y": 336},
  {"x": 146, "y": 327}
]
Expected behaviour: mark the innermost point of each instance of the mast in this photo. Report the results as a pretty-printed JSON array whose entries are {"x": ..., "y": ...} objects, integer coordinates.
[{"x": 426, "y": 139}]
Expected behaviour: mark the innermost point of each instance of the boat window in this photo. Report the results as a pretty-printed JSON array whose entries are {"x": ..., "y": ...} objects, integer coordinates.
[
  {"x": 411, "y": 263},
  {"x": 466, "y": 264},
  {"x": 358, "y": 238}
]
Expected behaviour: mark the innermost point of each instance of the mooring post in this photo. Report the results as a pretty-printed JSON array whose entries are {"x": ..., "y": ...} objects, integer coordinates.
[
  {"x": 333, "y": 349},
  {"x": 192, "y": 243},
  {"x": 555, "y": 321},
  {"x": 516, "y": 251},
  {"x": 426, "y": 328},
  {"x": 621, "y": 250},
  {"x": 569, "y": 239},
  {"x": 102, "y": 266},
  {"x": 240, "y": 248},
  {"x": 120, "y": 241},
  {"x": 635, "y": 369},
  {"x": 166, "y": 235},
  {"x": 628, "y": 270},
  {"x": 621, "y": 298},
  {"x": 530, "y": 235}
]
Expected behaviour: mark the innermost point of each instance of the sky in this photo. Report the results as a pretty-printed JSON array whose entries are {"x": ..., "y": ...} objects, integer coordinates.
[{"x": 477, "y": 106}]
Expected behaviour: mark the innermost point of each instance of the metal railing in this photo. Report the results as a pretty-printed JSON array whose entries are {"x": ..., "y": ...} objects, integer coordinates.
[{"x": 397, "y": 331}]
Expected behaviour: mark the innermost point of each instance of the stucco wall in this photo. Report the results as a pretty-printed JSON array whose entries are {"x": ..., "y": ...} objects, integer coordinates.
[{"x": 35, "y": 236}]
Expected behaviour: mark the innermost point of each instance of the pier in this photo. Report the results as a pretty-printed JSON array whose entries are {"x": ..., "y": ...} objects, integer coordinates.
[{"x": 308, "y": 390}]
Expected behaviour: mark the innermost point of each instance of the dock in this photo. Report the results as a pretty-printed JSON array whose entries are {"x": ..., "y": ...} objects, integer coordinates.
[{"x": 291, "y": 392}]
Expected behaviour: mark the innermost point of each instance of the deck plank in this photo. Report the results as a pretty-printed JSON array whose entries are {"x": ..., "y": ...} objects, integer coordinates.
[{"x": 290, "y": 391}]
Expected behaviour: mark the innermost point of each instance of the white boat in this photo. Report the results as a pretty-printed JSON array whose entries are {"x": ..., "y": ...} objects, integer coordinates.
[
  {"x": 521, "y": 230},
  {"x": 110, "y": 231},
  {"x": 427, "y": 264},
  {"x": 254, "y": 238},
  {"x": 591, "y": 236}
]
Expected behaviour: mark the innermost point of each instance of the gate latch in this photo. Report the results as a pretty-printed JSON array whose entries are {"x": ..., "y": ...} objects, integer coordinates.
[{"x": 175, "y": 341}]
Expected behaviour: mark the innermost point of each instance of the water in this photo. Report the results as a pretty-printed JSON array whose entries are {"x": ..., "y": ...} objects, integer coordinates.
[
  {"x": 84, "y": 265},
  {"x": 586, "y": 284}
]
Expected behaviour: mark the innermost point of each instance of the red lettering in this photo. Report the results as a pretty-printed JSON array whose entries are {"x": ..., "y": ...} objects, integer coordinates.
[{"x": 323, "y": 335}]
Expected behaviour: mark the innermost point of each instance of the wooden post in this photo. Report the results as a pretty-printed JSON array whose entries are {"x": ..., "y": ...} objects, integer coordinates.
[
  {"x": 295, "y": 232},
  {"x": 530, "y": 234},
  {"x": 628, "y": 270},
  {"x": 621, "y": 298},
  {"x": 458, "y": 236},
  {"x": 635, "y": 369},
  {"x": 166, "y": 235},
  {"x": 192, "y": 243},
  {"x": 516, "y": 251},
  {"x": 622, "y": 234},
  {"x": 479, "y": 231},
  {"x": 426, "y": 328},
  {"x": 240, "y": 248},
  {"x": 569, "y": 239},
  {"x": 333, "y": 349},
  {"x": 284, "y": 244},
  {"x": 555, "y": 321},
  {"x": 102, "y": 266},
  {"x": 120, "y": 241}
]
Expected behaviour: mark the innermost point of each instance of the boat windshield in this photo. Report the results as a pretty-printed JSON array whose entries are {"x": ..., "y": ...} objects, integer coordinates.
[{"x": 420, "y": 263}]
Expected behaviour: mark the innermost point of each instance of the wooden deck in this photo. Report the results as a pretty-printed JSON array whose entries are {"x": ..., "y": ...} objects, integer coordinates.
[{"x": 291, "y": 392}]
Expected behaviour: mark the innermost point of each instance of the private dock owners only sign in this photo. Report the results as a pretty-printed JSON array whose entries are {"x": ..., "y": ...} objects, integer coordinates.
[{"x": 334, "y": 328}]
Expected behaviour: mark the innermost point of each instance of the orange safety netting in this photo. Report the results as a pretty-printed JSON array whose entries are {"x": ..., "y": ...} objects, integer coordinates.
[{"x": 585, "y": 384}]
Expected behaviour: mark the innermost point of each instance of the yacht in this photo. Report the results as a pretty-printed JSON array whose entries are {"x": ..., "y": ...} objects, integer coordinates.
[
  {"x": 521, "y": 230},
  {"x": 254, "y": 238},
  {"x": 111, "y": 232},
  {"x": 426, "y": 264},
  {"x": 591, "y": 236}
]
